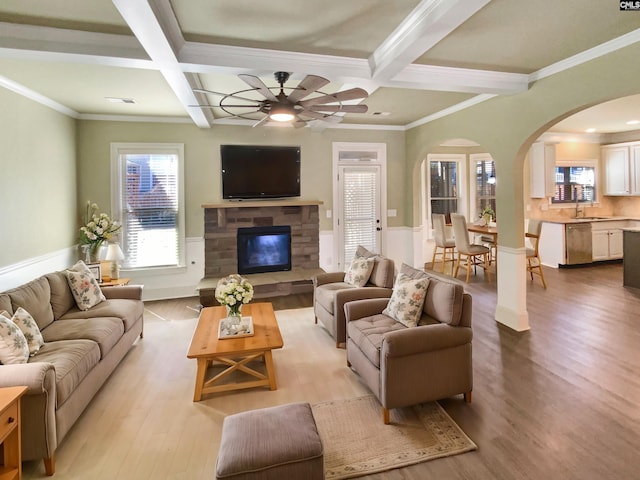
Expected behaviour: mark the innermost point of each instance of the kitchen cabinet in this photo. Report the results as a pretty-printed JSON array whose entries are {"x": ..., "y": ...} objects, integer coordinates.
[
  {"x": 542, "y": 165},
  {"x": 606, "y": 244},
  {"x": 622, "y": 169}
]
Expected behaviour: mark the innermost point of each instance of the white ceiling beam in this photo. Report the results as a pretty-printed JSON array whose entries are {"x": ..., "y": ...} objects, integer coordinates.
[
  {"x": 464, "y": 80},
  {"x": 424, "y": 27},
  {"x": 145, "y": 25}
]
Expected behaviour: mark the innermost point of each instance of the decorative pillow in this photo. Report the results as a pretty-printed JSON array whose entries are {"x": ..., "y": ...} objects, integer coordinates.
[
  {"x": 29, "y": 329},
  {"x": 84, "y": 286},
  {"x": 405, "y": 304},
  {"x": 359, "y": 271},
  {"x": 13, "y": 345}
]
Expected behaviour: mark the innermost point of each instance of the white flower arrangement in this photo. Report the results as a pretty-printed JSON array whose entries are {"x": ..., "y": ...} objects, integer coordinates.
[
  {"x": 234, "y": 291},
  {"x": 98, "y": 226}
]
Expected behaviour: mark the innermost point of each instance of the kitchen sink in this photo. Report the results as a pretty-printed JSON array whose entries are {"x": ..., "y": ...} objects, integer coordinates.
[{"x": 593, "y": 218}]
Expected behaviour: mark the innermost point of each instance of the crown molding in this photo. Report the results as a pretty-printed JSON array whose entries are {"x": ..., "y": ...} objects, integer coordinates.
[{"x": 36, "y": 97}]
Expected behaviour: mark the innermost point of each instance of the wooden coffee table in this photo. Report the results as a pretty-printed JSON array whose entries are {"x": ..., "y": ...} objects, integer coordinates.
[{"x": 234, "y": 353}]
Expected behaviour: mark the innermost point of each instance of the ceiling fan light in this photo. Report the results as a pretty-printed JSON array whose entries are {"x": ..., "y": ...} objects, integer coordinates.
[{"x": 281, "y": 113}]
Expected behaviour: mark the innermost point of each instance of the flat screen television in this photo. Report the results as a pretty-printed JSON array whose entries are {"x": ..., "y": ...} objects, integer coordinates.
[{"x": 253, "y": 171}]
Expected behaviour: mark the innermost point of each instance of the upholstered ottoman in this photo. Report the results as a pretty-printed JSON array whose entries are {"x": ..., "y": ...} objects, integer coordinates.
[{"x": 273, "y": 443}]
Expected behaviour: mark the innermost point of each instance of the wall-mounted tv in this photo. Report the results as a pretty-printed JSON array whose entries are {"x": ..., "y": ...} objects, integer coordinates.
[{"x": 254, "y": 171}]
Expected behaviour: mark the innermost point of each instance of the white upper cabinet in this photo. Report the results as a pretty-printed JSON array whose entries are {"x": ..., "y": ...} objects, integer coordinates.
[
  {"x": 542, "y": 165},
  {"x": 622, "y": 169}
]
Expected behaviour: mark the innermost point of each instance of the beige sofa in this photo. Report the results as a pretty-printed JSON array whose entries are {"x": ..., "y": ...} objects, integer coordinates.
[
  {"x": 81, "y": 350},
  {"x": 405, "y": 366},
  {"x": 331, "y": 293}
]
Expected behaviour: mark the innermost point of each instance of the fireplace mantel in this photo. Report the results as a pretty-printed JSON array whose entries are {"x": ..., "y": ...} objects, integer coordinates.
[{"x": 262, "y": 203}]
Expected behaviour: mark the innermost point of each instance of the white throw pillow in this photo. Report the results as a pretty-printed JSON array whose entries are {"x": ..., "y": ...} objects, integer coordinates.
[
  {"x": 359, "y": 271},
  {"x": 84, "y": 286},
  {"x": 29, "y": 329},
  {"x": 407, "y": 299},
  {"x": 13, "y": 345}
]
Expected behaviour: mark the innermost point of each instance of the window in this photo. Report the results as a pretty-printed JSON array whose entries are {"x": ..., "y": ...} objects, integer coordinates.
[
  {"x": 443, "y": 187},
  {"x": 147, "y": 198},
  {"x": 575, "y": 184},
  {"x": 483, "y": 192}
]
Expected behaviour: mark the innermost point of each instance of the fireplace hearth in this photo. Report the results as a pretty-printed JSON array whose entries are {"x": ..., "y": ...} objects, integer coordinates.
[{"x": 264, "y": 249}]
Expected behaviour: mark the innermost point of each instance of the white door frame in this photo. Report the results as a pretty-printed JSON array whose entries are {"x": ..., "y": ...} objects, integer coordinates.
[{"x": 378, "y": 157}]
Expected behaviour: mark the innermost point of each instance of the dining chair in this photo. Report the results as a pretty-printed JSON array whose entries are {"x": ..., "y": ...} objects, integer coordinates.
[
  {"x": 443, "y": 240},
  {"x": 475, "y": 254},
  {"x": 534, "y": 264}
]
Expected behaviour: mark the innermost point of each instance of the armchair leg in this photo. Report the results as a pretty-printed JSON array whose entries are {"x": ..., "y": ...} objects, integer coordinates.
[
  {"x": 385, "y": 415},
  {"x": 467, "y": 396},
  {"x": 50, "y": 464}
]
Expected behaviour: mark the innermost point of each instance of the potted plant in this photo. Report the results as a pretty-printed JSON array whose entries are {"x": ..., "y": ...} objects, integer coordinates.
[{"x": 488, "y": 214}]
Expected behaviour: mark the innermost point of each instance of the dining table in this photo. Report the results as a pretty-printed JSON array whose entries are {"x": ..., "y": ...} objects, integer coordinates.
[{"x": 488, "y": 230}]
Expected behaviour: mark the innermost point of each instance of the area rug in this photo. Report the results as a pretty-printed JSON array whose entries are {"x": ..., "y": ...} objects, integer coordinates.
[{"x": 357, "y": 442}]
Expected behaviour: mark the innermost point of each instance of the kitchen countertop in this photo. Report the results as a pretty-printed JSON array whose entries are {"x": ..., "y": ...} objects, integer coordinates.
[{"x": 587, "y": 219}]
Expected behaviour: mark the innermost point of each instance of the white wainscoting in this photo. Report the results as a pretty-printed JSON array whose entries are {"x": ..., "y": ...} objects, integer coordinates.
[
  {"x": 183, "y": 282},
  {"x": 399, "y": 243}
]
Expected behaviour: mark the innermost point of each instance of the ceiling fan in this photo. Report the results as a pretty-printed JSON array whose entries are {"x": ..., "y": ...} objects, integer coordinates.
[{"x": 297, "y": 107}]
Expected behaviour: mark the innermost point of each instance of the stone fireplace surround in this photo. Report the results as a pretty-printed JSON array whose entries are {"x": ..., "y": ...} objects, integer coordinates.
[{"x": 221, "y": 222}]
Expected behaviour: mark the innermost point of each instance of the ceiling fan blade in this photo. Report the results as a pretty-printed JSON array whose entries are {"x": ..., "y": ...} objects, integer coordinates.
[
  {"x": 351, "y": 94},
  {"x": 229, "y": 95},
  {"x": 321, "y": 116},
  {"x": 339, "y": 108},
  {"x": 259, "y": 85},
  {"x": 262, "y": 121},
  {"x": 307, "y": 86},
  {"x": 225, "y": 106}
]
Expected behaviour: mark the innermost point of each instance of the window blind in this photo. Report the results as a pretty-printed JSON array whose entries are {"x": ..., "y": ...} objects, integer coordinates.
[
  {"x": 149, "y": 210},
  {"x": 359, "y": 197}
]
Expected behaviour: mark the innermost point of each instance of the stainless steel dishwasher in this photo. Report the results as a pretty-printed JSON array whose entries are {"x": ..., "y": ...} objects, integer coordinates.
[{"x": 578, "y": 243}]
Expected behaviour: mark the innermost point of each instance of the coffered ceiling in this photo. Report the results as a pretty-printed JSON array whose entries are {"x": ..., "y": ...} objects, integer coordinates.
[{"x": 417, "y": 59}]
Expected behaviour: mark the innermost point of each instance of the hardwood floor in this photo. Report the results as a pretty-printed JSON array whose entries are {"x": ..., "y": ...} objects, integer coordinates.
[{"x": 559, "y": 401}]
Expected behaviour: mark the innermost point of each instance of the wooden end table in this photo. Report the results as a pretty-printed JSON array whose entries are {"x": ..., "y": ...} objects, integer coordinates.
[
  {"x": 234, "y": 353},
  {"x": 10, "y": 432}
]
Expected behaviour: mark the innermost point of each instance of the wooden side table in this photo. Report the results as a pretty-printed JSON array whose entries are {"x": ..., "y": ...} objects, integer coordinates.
[
  {"x": 10, "y": 434},
  {"x": 116, "y": 282}
]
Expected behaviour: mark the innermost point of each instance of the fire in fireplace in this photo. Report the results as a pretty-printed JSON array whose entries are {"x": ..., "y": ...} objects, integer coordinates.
[{"x": 264, "y": 249}]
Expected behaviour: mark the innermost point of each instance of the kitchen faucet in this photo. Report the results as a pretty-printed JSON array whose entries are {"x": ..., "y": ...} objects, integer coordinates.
[{"x": 579, "y": 211}]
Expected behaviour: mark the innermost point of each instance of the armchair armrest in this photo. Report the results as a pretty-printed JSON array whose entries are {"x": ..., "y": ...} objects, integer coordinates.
[
  {"x": 331, "y": 277},
  {"x": 38, "y": 377},
  {"x": 426, "y": 338},
  {"x": 131, "y": 292},
  {"x": 364, "y": 308}
]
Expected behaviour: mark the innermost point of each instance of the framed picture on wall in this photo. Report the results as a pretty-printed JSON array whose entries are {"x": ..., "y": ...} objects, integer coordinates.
[{"x": 96, "y": 269}]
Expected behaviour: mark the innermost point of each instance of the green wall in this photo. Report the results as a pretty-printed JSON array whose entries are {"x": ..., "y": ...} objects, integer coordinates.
[
  {"x": 37, "y": 179},
  {"x": 506, "y": 126},
  {"x": 202, "y": 161}
]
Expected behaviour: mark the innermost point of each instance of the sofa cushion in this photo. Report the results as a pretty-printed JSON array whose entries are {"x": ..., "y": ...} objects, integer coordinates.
[
  {"x": 325, "y": 294},
  {"x": 13, "y": 345},
  {"x": 126, "y": 309},
  {"x": 407, "y": 300},
  {"x": 84, "y": 286},
  {"x": 359, "y": 271},
  {"x": 29, "y": 329},
  {"x": 368, "y": 333},
  {"x": 72, "y": 360},
  {"x": 34, "y": 297},
  {"x": 105, "y": 331},
  {"x": 5, "y": 303},
  {"x": 444, "y": 296},
  {"x": 61, "y": 297}
]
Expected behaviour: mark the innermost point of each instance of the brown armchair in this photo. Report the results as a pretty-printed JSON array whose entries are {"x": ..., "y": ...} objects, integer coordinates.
[
  {"x": 331, "y": 293},
  {"x": 406, "y": 366}
]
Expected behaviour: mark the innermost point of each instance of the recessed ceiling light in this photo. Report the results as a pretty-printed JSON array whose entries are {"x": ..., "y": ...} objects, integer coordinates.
[
  {"x": 119, "y": 100},
  {"x": 590, "y": 130},
  {"x": 633, "y": 122}
]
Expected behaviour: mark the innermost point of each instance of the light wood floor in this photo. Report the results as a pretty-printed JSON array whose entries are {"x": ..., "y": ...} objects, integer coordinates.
[{"x": 561, "y": 401}]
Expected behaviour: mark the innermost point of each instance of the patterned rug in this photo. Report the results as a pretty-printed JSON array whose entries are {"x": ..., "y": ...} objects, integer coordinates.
[{"x": 357, "y": 442}]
